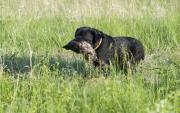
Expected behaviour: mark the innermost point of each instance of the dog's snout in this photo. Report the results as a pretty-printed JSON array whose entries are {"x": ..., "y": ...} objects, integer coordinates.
[{"x": 70, "y": 45}]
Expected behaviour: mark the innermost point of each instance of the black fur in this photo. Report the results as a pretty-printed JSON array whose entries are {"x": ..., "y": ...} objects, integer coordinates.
[{"x": 121, "y": 50}]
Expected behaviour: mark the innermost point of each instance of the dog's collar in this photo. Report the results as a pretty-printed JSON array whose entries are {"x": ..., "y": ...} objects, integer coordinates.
[{"x": 98, "y": 44}]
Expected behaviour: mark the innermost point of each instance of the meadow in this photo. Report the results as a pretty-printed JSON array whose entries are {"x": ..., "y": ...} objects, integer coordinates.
[{"x": 38, "y": 76}]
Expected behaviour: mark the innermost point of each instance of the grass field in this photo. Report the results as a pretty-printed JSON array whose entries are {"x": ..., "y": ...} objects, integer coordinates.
[{"x": 38, "y": 76}]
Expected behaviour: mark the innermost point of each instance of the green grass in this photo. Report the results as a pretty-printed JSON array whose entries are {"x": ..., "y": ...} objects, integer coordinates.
[{"x": 37, "y": 75}]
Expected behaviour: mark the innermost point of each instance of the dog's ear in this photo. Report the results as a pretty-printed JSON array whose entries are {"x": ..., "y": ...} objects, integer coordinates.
[{"x": 97, "y": 39}]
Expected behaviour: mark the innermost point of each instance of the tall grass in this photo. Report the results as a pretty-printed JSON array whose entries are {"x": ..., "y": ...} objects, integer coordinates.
[{"x": 37, "y": 75}]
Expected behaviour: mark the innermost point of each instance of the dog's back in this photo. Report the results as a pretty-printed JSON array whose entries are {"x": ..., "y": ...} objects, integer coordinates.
[{"x": 133, "y": 48}]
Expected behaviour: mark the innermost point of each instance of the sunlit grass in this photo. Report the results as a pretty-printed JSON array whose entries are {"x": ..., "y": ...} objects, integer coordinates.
[{"x": 37, "y": 75}]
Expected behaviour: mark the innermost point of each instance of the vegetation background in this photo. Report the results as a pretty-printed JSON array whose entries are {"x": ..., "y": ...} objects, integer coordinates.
[{"x": 38, "y": 76}]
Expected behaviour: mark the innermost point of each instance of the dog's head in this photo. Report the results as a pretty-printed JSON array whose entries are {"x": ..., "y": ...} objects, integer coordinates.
[{"x": 86, "y": 40}]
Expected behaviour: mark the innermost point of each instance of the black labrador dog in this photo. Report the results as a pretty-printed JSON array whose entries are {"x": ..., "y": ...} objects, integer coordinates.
[{"x": 103, "y": 49}]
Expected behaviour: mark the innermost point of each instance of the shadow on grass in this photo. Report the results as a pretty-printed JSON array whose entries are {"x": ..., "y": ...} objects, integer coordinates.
[
  {"x": 14, "y": 64},
  {"x": 69, "y": 66}
]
